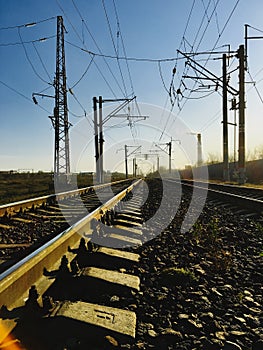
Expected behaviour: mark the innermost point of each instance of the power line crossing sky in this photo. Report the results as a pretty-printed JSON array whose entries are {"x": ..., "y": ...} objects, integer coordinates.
[{"x": 119, "y": 49}]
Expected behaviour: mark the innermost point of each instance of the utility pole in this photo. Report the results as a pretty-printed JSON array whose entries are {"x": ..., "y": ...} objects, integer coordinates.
[
  {"x": 199, "y": 150},
  {"x": 225, "y": 122},
  {"x": 134, "y": 167},
  {"x": 169, "y": 144},
  {"x": 60, "y": 118},
  {"x": 146, "y": 155},
  {"x": 98, "y": 128},
  {"x": 241, "y": 151},
  {"x": 96, "y": 140},
  {"x": 234, "y": 108},
  {"x": 157, "y": 159},
  {"x": 128, "y": 155},
  {"x": 101, "y": 180},
  {"x": 126, "y": 161}
]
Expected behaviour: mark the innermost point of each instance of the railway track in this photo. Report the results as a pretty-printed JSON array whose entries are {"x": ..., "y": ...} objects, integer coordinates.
[
  {"x": 242, "y": 201},
  {"x": 25, "y": 225},
  {"x": 89, "y": 289},
  {"x": 74, "y": 290}
]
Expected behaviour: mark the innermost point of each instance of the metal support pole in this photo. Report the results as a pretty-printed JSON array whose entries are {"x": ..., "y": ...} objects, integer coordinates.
[
  {"x": 61, "y": 123},
  {"x": 241, "y": 153},
  {"x": 96, "y": 140},
  {"x": 158, "y": 166},
  {"x": 56, "y": 150},
  {"x": 134, "y": 167},
  {"x": 170, "y": 156},
  {"x": 225, "y": 123},
  {"x": 199, "y": 150},
  {"x": 126, "y": 161},
  {"x": 101, "y": 141},
  {"x": 246, "y": 48}
]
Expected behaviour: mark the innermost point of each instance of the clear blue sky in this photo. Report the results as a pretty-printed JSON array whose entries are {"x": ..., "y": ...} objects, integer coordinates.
[{"x": 149, "y": 29}]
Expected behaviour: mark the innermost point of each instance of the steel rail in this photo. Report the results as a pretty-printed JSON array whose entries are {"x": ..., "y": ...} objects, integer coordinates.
[
  {"x": 17, "y": 280},
  {"x": 247, "y": 202},
  {"x": 15, "y": 207}
]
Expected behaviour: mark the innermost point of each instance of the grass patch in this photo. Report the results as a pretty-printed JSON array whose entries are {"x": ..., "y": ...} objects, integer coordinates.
[{"x": 176, "y": 276}]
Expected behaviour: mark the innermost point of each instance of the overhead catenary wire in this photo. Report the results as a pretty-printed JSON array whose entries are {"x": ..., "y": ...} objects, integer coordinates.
[
  {"x": 123, "y": 46},
  {"x": 93, "y": 39},
  {"x": 43, "y": 65},
  {"x": 213, "y": 119},
  {"x": 30, "y": 24},
  {"x": 91, "y": 55},
  {"x": 187, "y": 68},
  {"x": 78, "y": 102},
  {"x": 85, "y": 24},
  {"x": 259, "y": 30},
  {"x": 217, "y": 23},
  {"x": 84, "y": 73},
  {"x": 28, "y": 42},
  {"x": 28, "y": 59},
  {"x": 119, "y": 34},
  {"x": 255, "y": 87},
  {"x": 24, "y": 96},
  {"x": 219, "y": 36},
  {"x": 114, "y": 46},
  {"x": 174, "y": 71},
  {"x": 139, "y": 59}
]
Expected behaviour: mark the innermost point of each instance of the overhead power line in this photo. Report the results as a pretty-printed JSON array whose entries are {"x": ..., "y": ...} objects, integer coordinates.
[
  {"x": 43, "y": 65},
  {"x": 29, "y": 61},
  {"x": 114, "y": 46},
  {"x": 26, "y": 25},
  {"x": 141, "y": 59},
  {"x": 255, "y": 87},
  {"x": 29, "y": 41},
  {"x": 218, "y": 38},
  {"x": 123, "y": 47},
  {"x": 22, "y": 95},
  {"x": 96, "y": 44},
  {"x": 85, "y": 72}
]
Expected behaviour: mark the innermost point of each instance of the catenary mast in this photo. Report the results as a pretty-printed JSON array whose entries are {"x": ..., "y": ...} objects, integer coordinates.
[{"x": 60, "y": 118}]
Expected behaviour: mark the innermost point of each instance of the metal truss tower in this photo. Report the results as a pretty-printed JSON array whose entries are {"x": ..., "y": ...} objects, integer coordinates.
[{"x": 60, "y": 118}]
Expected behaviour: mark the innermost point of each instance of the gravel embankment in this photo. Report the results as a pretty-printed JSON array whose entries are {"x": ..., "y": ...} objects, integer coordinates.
[{"x": 201, "y": 289}]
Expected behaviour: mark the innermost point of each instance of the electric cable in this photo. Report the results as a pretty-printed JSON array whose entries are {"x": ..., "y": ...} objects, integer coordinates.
[
  {"x": 28, "y": 42},
  {"x": 28, "y": 24},
  {"x": 139, "y": 59},
  {"x": 83, "y": 75},
  {"x": 259, "y": 30},
  {"x": 22, "y": 95},
  {"x": 28, "y": 59},
  {"x": 91, "y": 55},
  {"x": 255, "y": 87},
  {"x": 123, "y": 47},
  {"x": 186, "y": 68},
  {"x": 114, "y": 46},
  {"x": 211, "y": 121},
  {"x": 93, "y": 39},
  {"x": 219, "y": 36},
  {"x": 43, "y": 65}
]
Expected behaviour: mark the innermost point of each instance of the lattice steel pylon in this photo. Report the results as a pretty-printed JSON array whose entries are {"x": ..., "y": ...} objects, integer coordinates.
[{"x": 60, "y": 119}]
